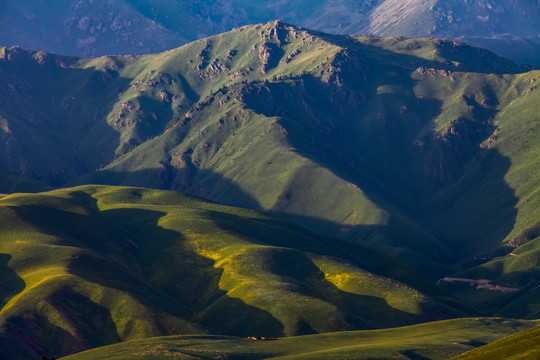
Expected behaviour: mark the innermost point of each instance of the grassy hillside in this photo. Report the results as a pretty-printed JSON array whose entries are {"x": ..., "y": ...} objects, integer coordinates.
[
  {"x": 393, "y": 143},
  {"x": 438, "y": 340},
  {"x": 12, "y": 183},
  {"x": 150, "y": 263},
  {"x": 523, "y": 345}
]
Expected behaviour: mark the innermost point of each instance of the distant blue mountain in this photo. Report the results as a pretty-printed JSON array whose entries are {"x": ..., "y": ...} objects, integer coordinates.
[{"x": 95, "y": 28}]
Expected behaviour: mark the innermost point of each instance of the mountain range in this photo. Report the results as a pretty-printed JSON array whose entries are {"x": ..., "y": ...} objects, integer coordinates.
[
  {"x": 96, "y": 28},
  {"x": 390, "y": 181}
]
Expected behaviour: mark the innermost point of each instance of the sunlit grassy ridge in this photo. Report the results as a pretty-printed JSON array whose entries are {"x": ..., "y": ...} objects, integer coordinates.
[
  {"x": 523, "y": 345},
  {"x": 94, "y": 265},
  {"x": 438, "y": 340}
]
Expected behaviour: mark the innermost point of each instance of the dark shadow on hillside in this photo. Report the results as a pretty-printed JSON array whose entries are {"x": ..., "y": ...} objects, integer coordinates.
[
  {"x": 523, "y": 304},
  {"x": 86, "y": 231},
  {"x": 188, "y": 90},
  {"x": 172, "y": 267},
  {"x": 124, "y": 240},
  {"x": 51, "y": 108},
  {"x": 188, "y": 179},
  {"x": 477, "y": 212},
  {"x": 413, "y": 355},
  {"x": 153, "y": 266},
  {"x": 11, "y": 283},
  {"x": 368, "y": 136},
  {"x": 458, "y": 57},
  {"x": 520, "y": 304},
  {"x": 31, "y": 336},
  {"x": 215, "y": 187},
  {"x": 304, "y": 278},
  {"x": 13, "y": 183},
  {"x": 95, "y": 326},
  {"x": 278, "y": 233}
]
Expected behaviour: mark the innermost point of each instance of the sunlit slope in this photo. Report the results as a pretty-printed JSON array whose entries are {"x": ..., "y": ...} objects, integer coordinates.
[
  {"x": 70, "y": 283},
  {"x": 411, "y": 146},
  {"x": 437, "y": 340},
  {"x": 357, "y": 145},
  {"x": 524, "y": 345},
  {"x": 148, "y": 262}
]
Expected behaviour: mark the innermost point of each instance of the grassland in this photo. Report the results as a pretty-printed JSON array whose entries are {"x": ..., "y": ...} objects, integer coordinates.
[
  {"x": 423, "y": 150},
  {"x": 150, "y": 263},
  {"x": 439, "y": 340},
  {"x": 523, "y": 345},
  {"x": 392, "y": 143}
]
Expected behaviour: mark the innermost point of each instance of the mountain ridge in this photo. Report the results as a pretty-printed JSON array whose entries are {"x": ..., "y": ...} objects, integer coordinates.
[
  {"x": 391, "y": 145},
  {"x": 91, "y": 29},
  {"x": 161, "y": 92}
]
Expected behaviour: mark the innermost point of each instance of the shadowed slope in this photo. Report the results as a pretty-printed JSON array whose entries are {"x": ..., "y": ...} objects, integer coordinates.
[
  {"x": 405, "y": 145},
  {"x": 148, "y": 262}
]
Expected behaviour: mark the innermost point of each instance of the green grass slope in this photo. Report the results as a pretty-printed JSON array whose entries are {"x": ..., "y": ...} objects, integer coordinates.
[
  {"x": 94, "y": 265},
  {"x": 382, "y": 143},
  {"x": 514, "y": 262},
  {"x": 439, "y": 340},
  {"x": 12, "y": 183},
  {"x": 524, "y": 345},
  {"x": 425, "y": 149}
]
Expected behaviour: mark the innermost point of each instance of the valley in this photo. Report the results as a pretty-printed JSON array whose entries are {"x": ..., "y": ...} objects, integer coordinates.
[{"x": 271, "y": 181}]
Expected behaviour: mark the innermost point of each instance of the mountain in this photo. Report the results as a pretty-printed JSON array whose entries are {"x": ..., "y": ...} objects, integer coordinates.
[
  {"x": 84, "y": 28},
  {"x": 452, "y": 18},
  {"x": 523, "y": 51},
  {"x": 95, "y": 28},
  {"x": 90, "y": 266},
  {"x": 426, "y": 341},
  {"x": 423, "y": 149},
  {"x": 509, "y": 27}
]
